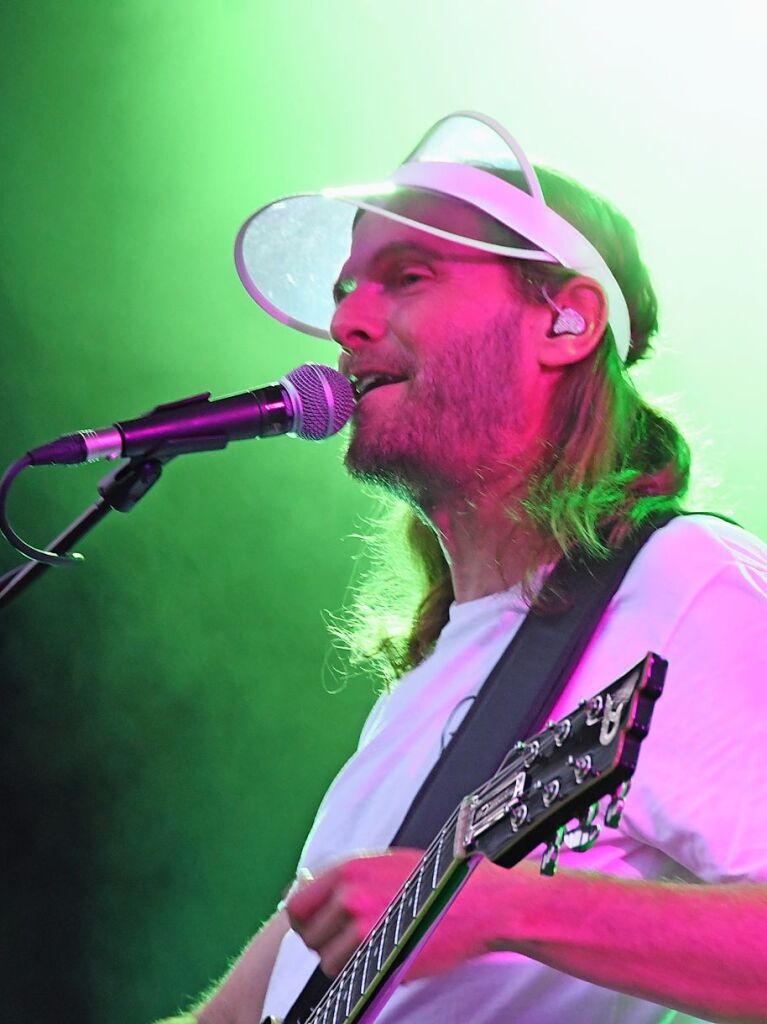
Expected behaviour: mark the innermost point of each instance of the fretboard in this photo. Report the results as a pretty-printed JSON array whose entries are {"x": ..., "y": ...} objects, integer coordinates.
[
  {"x": 359, "y": 981},
  {"x": 557, "y": 775}
]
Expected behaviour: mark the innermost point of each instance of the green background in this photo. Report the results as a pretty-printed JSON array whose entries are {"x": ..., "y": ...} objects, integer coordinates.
[{"x": 169, "y": 725}]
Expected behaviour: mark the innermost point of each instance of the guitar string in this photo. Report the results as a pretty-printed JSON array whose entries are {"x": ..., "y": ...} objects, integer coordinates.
[
  {"x": 336, "y": 989},
  {"x": 546, "y": 740}
]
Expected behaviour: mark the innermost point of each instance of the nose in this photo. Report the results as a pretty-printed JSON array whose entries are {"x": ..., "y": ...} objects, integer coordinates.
[{"x": 359, "y": 319}]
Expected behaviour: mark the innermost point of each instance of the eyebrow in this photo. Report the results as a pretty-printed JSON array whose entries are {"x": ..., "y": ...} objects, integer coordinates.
[{"x": 341, "y": 286}]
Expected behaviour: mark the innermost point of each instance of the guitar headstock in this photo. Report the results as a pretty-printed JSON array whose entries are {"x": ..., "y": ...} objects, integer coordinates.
[{"x": 560, "y": 775}]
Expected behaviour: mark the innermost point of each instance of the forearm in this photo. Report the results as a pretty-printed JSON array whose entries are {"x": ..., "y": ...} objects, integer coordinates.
[
  {"x": 239, "y": 997},
  {"x": 697, "y": 948}
]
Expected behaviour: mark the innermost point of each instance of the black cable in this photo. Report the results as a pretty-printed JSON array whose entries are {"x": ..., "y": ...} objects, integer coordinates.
[
  {"x": 35, "y": 554},
  {"x": 8, "y": 576}
]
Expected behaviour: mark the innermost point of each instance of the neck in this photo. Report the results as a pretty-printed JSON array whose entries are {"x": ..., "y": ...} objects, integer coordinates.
[{"x": 487, "y": 541}]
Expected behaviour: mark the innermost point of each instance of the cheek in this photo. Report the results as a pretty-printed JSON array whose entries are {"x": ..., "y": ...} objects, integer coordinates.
[{"x": 412, "y": 324}]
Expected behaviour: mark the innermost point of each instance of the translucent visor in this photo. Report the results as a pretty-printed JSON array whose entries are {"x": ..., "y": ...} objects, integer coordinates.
[{"x": 290, "y": 252}]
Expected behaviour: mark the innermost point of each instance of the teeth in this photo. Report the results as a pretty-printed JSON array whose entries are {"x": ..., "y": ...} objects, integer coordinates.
[{"x": 368, "y": 381}]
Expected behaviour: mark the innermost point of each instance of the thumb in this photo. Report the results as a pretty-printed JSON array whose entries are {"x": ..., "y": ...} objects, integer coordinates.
[{"x": 302, "y": 879}]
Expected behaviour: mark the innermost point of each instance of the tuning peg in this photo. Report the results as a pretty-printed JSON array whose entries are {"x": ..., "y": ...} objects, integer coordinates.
[
  {"x": 550, "y": 791},
  {"x": 581, "y": 765},
  {"x": 615, "y": 807},
  {"x": 532, "y": 750},
  {"x": 583, "y": 835},
  {"x": 594, "y": 709},
  {"x": 551, "y": 853},
  {"x": 560, "y": 730},
  {"x": 518, "y": 817}
]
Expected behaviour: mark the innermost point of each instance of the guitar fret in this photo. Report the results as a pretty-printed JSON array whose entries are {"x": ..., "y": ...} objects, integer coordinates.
[
  {"x": 409, "y": 903},
  {"x": 400, "y": 906},
  {"x": 349, "y": 1002},
  {"x": 337, "y": 1000},
  {"x": 434, "y": 877},
  {"x": 385, "y": 947},
  {"x": 380, "y": 957},
  {"x": 365, "y": 966},
  {"x": 342, "y": 997},
  {"x": 431, "y": 867},
  {"x": 363, "y": 954},
  {"x": 419, "y": 878}
]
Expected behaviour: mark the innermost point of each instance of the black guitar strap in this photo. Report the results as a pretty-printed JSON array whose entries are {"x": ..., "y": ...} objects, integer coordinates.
[{"x": 513, "y": 704}]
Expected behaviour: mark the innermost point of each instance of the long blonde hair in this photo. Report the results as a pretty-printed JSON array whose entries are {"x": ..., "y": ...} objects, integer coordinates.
[{"x": 610, "y": 461}]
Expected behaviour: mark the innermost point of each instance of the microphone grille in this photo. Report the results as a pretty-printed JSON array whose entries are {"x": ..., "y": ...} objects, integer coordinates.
[{"x": 323, "y": 400}]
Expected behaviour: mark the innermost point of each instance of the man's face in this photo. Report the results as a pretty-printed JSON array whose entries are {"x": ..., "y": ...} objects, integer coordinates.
[{"x": 448, "y": 325}]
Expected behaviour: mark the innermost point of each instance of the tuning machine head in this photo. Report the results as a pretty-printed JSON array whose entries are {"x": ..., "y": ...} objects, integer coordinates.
[
  {"x": 614, "y": 809},
  {"x": 551, "y": 853},
  {"x": 585, "y": 832},
  {"x": 582, "y": 766}
]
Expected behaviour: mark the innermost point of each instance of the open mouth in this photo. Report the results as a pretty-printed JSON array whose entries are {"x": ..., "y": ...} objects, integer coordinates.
[{"x": 368, "y": 382}]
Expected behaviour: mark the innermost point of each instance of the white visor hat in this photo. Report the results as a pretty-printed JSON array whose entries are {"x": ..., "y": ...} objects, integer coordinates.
[{"x": 290, "y": 252}]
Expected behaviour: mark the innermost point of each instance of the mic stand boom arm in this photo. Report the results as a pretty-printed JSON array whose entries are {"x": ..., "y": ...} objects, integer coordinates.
[{"x": 121, "y": 489}]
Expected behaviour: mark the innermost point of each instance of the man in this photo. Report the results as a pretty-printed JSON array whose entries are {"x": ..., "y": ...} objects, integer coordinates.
[{"x": 488, "y": 344}]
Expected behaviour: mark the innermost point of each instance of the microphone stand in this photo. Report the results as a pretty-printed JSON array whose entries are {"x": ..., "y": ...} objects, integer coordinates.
[{"x": 121, "y": 490}]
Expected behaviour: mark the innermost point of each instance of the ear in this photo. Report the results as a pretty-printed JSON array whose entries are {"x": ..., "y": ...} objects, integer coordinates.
[{"x": 584, "y": 296}]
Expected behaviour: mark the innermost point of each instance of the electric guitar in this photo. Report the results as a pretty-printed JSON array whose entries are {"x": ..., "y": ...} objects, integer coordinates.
[{"x": 554, "y": 778}]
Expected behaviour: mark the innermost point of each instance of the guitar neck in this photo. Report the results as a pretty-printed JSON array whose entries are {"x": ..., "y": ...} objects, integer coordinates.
[
  {"x": 556, "y": 776},
  {"x": 365, "y": 983}
]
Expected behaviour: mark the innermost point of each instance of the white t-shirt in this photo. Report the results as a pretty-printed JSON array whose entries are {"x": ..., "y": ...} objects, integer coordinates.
[{"x": 697, "y": 595}]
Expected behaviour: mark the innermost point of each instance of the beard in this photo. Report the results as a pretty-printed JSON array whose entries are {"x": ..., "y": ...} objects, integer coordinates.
[{"x": 452, "y": 428}]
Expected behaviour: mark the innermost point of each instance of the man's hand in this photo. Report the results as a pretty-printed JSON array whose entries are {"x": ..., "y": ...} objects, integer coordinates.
[
  {"x": 699, "y": 949},
  {"x": 336, "y": 910}
]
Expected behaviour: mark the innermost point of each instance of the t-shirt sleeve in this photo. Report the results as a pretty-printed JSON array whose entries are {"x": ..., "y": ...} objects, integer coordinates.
[{"x": 699, "y": 794}]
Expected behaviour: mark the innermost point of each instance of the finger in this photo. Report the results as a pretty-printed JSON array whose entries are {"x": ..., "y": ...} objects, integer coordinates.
[
  {"x": 336, "y": 954},
  {"x": 309, "y": 897},
  {"x": 323, "y": 925}
]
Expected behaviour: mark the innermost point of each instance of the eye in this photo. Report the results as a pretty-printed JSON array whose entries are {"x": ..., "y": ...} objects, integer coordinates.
[
  {"x": 407, "y": 277},
  {"x": 343, "y": 287}
]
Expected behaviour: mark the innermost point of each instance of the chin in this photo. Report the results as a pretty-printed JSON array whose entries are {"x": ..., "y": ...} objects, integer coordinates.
[{"x": 402, "y": 469}]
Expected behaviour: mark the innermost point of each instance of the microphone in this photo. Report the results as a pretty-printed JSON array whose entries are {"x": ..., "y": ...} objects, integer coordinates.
[{"x": 312, "y": 401}]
